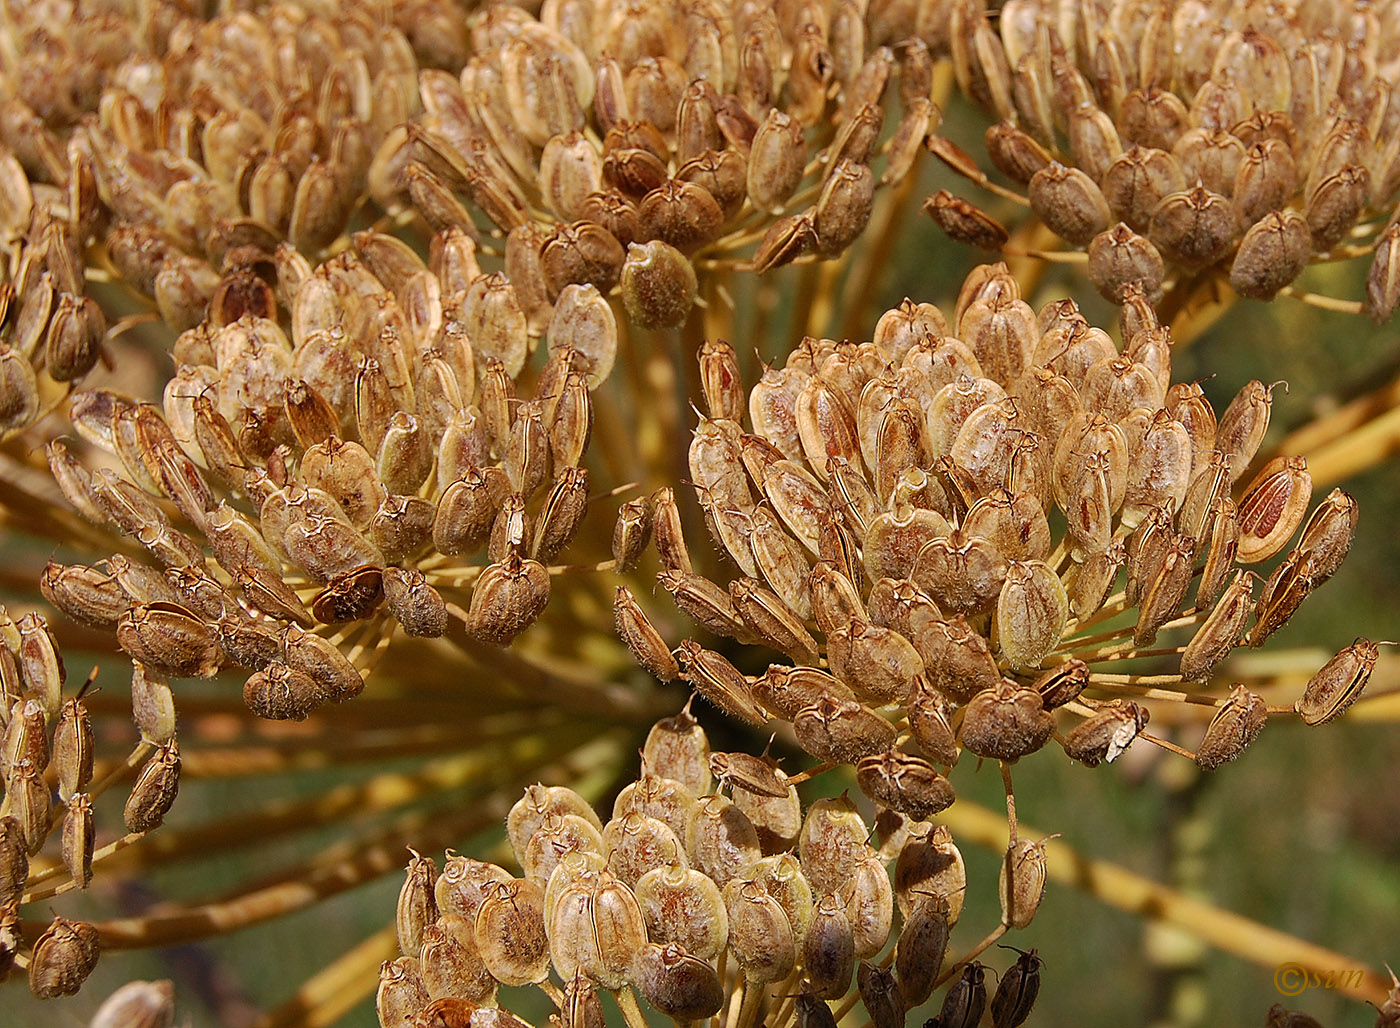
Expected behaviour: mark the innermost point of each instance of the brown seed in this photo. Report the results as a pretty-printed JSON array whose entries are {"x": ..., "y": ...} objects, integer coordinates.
[
  {"x": 1017, "y": 991},
  {"x": 319, "y": 658},
  {"x": 1101, "y": 738},
  {"x": 1069, "y": 202},
  {"x": 842, "y": 731},
  {"x": 719, "y": 681},
  {"x": 1166, "y": 580},
  {"x": 964, "y": 222},
  {"x": 679, "y": 985},
  {"x": 760, "y": 936},
  {"x": 1338, "y": 683},
  {"x": 14, "y": 862},
  {"x": 1272, "y": 508},
  {"x": 881, "y": 993},
  {"x": 1285, "y": 590},
  {"x": 510, "y": 933},
  {"x": 1194, "y": 227},
  {"x": 1234, "y": 726},
  {"x": 417, "y": 906},
  {"x": 1119, "y": 256},
  {"x": 529, "y": 814},
  {"x": 508, "y": 597},
  {"x": 62, "y": 959},
  {"x": 904, "y": 783},
  {"x": 72, "y": 748},
  {"x": 642, "y": 638},
  {"x": 1031, "y": 613},
  {"x": 1328, "y": 534},
  {"x": 401, "y": 993},
  {"x": 1220, "y": 632},
  {"x": 878, "y": 663},
  {"x": 772, "y": 620},
  {"x": 923, "y": 943},
  {"x": 154, "y": 792},
  {"x": 1273, "y": 252},
  {"x": 1383, "y": 282},
  {"x": 137, "y": 1005},
  {"x": 966, "y": 999},
  {"x": 1006, "y": 722},
  {"x": 683, "y": 907},
  {"x": 721, "y": 841},
  {"x": 1022, "y": 882},
  {"x": 279, "y": 693},
  {"x": 171, "y": 639}
]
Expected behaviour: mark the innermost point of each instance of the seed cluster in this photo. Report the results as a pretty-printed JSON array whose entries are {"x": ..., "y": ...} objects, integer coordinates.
[
  {"x": 1171, "y": 141},
  {"x": 645, "y": 135},
  {"x": 686, "y": 897},
  {"x": 893, "y": 500}
]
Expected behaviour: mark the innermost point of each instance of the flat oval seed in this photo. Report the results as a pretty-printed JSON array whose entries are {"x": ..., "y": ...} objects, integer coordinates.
[
  {"x": 1338, "y": 683},
  {"x": 1272, "y": 508}
]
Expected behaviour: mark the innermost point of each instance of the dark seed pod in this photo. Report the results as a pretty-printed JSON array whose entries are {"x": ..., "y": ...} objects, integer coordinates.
[
  {"x": 828, "y": 950},
  {"x": 923, "y": 943},
  {"x": 636, "y": 630},
  {"x": 905, "y": 783},
  {"x": 965, "y": 223},
  {"x": 631, "y": 534},
  {"x": 966, "y": 999},
  {"x": 677, "y": 984},
  {"x": 154, "y": 792},
  {"x": 1108, "y": 733},
  {"x": 63, "y": 957},
  {"x": 1338, "y": 683},
  {"x": 881, "y": 993},
  {"x": 1006, "y": 723},
  {"x": 170, "y": 638},
  {"x": 508, "y": 597},
  {"x": 1016, "y": 992},
  {"x": 280, "y": 693},
  {"x": 719, "y": 681},
  {"x": 1069, "y": 202},
  {"x": 842, "y": 730},
  {"x": 1383, "y": 282},
  {"x": 1193, "y": 228},
  {"x": 1285, "y": 590},
  {"x": 1062, "y": 683},
  {"x": 1271, "y": 255},
  {"x": 810, "y": 1012},
  {"x": 14, "y": 861},
  {"x": 1221, "y": 632},
  {"x": 1120, "y": 256},
  {"x": 1234, "y": 726}
]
